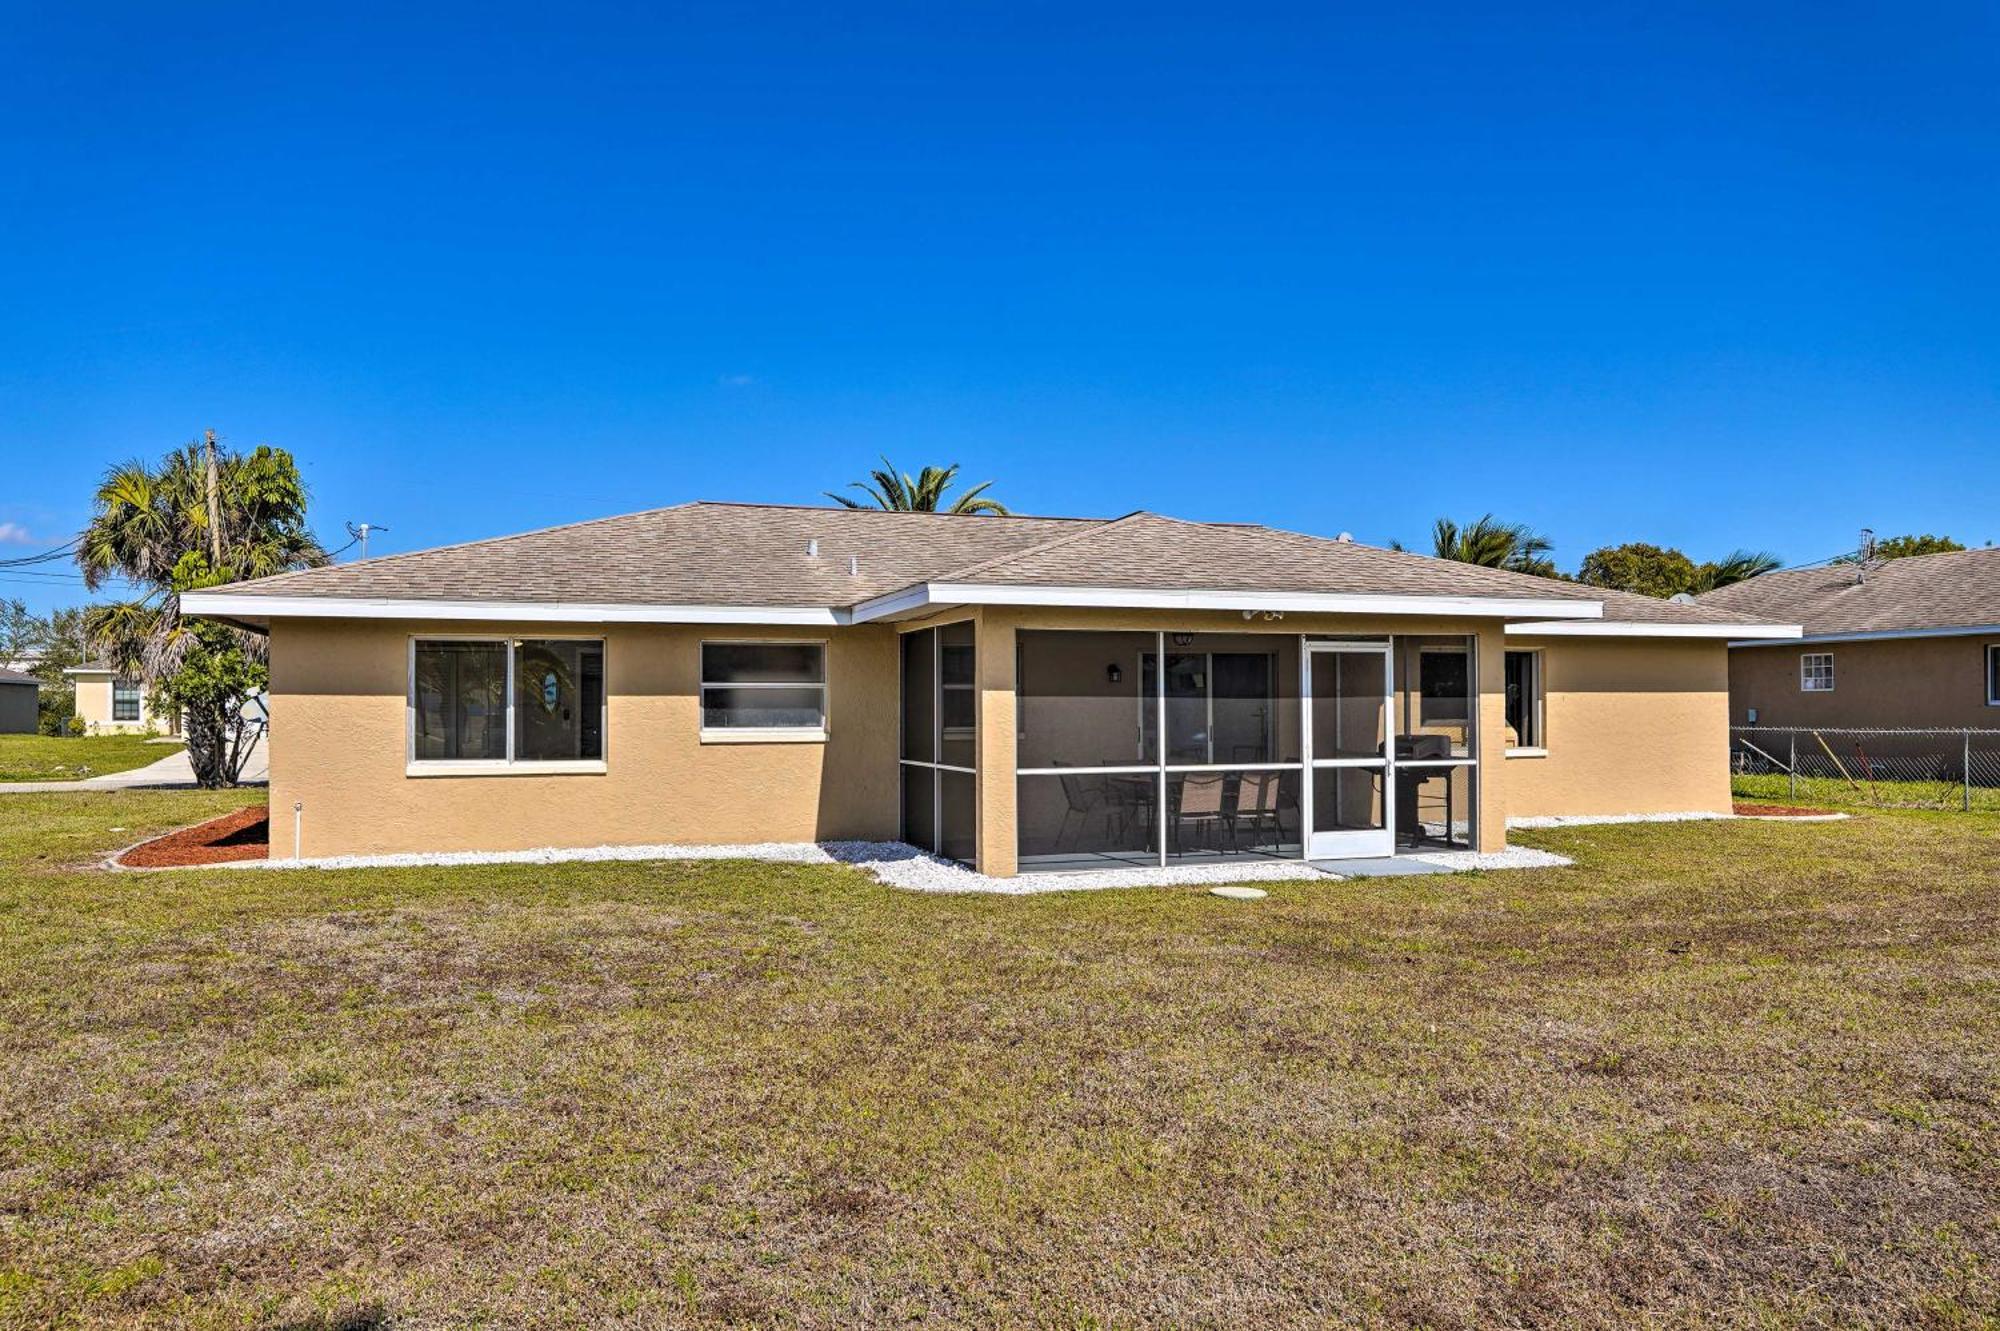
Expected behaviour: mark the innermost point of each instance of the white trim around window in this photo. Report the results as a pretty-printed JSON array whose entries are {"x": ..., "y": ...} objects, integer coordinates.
[
  {"x": 508, "y": 765},
  {"x": 761, "y": 734},
  {"x": 1815, "y": 672},
  {"x": 1532, "y": 734},
  {"x": 1993, "y": 674}
]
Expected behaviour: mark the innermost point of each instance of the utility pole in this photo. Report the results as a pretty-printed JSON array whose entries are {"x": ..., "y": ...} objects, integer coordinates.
[{"x": 214, "y": 509}]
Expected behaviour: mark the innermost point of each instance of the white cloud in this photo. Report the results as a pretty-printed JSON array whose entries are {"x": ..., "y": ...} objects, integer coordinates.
[
  {"x": 13, "y": 533},
  {"x": 738, "y": 380}
]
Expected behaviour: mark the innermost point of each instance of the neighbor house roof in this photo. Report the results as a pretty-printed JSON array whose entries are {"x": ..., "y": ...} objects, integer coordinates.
[
  {"x": 1918, "y": 595},
  {"x": 18, "y": 677},
  {"x": 760, "y": 563}
]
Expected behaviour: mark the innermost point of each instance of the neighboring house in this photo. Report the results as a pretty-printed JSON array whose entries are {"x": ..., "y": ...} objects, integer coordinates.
[
  {"x": 111, "y": 703},
  {"x": 19, "y": 694},
  {"x": 1907, "y": 642},
  {"x": 1018, "y": 693}
]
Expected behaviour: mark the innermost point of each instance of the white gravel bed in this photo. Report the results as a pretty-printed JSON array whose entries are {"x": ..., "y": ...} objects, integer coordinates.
[
  {"x": 891, "y": 862},
  {"x": 1599, "y": 819},
  {"x": 1513, "y": 857}
]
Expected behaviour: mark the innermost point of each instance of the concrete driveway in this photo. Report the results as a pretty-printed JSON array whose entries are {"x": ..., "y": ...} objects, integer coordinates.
[{"x": 173, "y": 772}]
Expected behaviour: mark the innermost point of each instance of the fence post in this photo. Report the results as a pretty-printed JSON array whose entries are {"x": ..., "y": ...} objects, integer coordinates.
[
  {"x": 1794, "y": 764},
  {"x": 1965, "y": 774}
]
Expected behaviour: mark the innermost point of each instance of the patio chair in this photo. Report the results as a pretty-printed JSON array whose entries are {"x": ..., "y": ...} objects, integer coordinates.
[
  {"x": 1081, "y": 801},
  {"x": 1198, "y": 805},
  {"x": 1256, "y": 804}
]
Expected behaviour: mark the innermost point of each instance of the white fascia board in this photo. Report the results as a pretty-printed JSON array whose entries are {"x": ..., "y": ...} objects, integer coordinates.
[
  {"x": 892, "y": 604},
  {"x": 262, "y": 608},
  {"x": 1883, "y": 635},
  {"x": 1632, "y": 628},
  {"x": 1196, "y": 598}
]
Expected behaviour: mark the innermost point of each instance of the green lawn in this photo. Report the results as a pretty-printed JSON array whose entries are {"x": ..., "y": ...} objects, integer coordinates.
[
  {"x": 1718, "y": 1074},
  {"x": 1834, "y": 793},
  {"x": 47, "y": 758}
]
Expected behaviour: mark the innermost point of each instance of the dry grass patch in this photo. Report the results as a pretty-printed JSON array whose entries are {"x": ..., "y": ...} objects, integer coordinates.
[{"x": 1738, "y": 1074}]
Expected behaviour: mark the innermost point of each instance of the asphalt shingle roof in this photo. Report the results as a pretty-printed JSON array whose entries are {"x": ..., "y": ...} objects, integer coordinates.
[
  {"x": 1956, "y": 590},
  {"x": 17, "y": 677},
  {"x": 756, "y": 554}
]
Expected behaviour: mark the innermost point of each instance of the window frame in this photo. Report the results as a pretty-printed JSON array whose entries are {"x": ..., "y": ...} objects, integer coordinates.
[
  {"x": 509, "y": 765},
  {"x": 138, "y": 700},
  {"x": 1807, "y": 674},
  {"x": 1993, "y": 674},
  {"x": 762, "y": 734},
  {"x": 1469, "y": 700},
  {"x": 1538, "y": 703}
]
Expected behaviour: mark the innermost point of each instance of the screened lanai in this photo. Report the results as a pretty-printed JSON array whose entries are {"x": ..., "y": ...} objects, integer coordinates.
[{"x": 1157, "y": 748}]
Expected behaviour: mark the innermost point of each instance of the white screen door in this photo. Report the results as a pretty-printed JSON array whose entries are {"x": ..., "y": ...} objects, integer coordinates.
[{"x": 1348, "y": 798}]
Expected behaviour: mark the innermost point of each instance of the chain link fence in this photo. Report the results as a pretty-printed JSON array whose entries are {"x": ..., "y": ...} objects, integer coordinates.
[{"x": 1889, "y": 769}]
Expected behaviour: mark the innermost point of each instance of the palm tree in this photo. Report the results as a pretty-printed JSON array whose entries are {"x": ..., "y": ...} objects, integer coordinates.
[
  {"x": 888, "y": 489},
  {"x": 1494, "y": 544},
  {"x": 1736, "y": 566},
  {"x": 199, "y": 519}
]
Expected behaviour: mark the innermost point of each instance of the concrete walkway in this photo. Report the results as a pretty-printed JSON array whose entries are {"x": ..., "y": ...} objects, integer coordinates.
[{"x": 173, "y": 772}]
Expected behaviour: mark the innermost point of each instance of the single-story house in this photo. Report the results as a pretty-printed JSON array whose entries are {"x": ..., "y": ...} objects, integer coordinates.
[
  {"x": 111, "y": 702},
  {"x": 20, "y": 693},
  {"x": 1019, "y": 693},
  {"x": 1911, "y": 642}
]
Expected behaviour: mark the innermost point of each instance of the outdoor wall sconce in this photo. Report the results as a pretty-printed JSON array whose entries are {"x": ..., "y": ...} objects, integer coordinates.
[
  {"x": 1183, "y": 639},
  {"x": 1113, "y": 673}
]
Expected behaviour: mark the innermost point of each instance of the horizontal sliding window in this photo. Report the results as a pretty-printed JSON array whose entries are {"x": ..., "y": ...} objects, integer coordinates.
[
  {"x": 753, "y": 686},
  {"x": 534, "y": 700}
]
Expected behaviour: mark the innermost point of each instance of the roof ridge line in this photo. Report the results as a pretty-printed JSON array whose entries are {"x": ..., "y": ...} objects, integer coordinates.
[
  {"x": 883, "y": 512},
  {"x": 460, "y": 545},
  {"x": 1066, "y": 538}
]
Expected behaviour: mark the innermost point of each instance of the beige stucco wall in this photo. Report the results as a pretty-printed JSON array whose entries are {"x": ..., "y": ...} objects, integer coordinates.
[
  {"x": 1630, "y": 726},
  {"x": 93, "y": 707},
  {"x": 1883, "y": 682},
  {"x": 338, "y": 746}
]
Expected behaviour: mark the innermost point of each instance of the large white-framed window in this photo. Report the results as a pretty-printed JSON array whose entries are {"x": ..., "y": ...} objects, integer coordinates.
[
  {"x": 1993, "y": 674},
  {"x": 125, "y": 695},
  {"x": 483, "y": 704},
  {"x": 1816, "y": 672},
  {"x": 763, "y": 690},
  {"x": 1525, "y": 706}
]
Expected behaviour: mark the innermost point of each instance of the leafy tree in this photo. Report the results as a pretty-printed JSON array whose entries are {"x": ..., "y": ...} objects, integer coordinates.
[
  {"x": 19, "y": 631},
  {"x": 887, "y": 488},
  {"x": 1653, "y": 570},
  {"x": 1736, "y": 566},
  {"x": 1494, "y": 544},
  {"x": 44, "y": 646},
  {"x": 201, "y": 518},
  {"x": 1649, "y": 570},
  {"x": 1899, "y": 547}
]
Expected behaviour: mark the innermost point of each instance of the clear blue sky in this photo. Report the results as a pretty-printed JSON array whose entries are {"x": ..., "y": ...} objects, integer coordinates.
[{"x": 1710, "y": 276}]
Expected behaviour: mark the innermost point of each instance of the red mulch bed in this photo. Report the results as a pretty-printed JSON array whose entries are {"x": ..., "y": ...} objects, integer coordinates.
[
  {"x": 243, "y": 835},
  {"x": 1780, "y": 811}
]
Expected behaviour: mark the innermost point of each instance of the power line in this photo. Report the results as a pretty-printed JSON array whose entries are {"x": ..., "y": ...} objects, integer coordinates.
[{"x": 65, "y": 551}]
